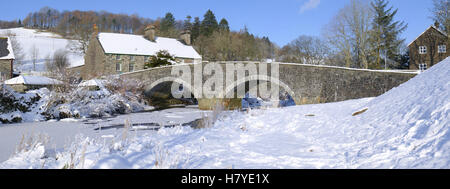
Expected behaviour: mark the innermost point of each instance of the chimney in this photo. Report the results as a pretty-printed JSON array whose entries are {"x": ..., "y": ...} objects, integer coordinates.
[
  {"x": 149, "y": 32},
  {"x": 436, "y": 24},
  {"x": 95, "y": 30},
  {"x": 185, "y": 36}
]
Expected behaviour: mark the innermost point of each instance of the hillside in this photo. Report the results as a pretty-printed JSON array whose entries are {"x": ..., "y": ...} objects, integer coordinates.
[{"x": 46, "y": 44}]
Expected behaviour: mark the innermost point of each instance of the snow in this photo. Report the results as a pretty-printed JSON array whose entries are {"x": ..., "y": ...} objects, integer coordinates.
[
  {"x": 47, "y": 44},
  {"x": 114, "y": 43},
  {"x": 407, "y": 127},
  {"x": 91, "y": 83},
  {"x": 11, "y": 52},
  {"x": 32, "y": 80},
  {"x": 62, "y": 133}
]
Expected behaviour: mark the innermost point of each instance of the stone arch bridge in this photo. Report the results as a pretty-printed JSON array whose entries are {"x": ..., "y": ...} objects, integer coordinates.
[{"x": 307, "y": 84}]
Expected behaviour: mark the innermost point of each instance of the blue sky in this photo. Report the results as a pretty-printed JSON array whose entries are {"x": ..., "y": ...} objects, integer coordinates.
[{"x": 280, "y": 20}]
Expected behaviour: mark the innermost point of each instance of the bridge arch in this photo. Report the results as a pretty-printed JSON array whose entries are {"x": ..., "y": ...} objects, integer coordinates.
[
  {"x": 161, "y": 90},
  {"x": 243, "y": 81}
]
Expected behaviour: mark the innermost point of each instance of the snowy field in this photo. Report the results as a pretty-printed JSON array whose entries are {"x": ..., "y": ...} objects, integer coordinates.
[
  {"x": 407, "y": 127},
  {"x": 46, "y": 44}
]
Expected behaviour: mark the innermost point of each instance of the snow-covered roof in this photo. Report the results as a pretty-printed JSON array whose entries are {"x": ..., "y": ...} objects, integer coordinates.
[
  {"x": 91, "y": 83},
  {"x": 32, "y": 80},
  {"x": 6, "y": 50},
  {"x": 114, "y": 43},
  {"x": 432, "y": 26}
]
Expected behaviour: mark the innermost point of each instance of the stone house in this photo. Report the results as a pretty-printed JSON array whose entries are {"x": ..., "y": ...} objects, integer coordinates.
[
  {"x": 428, "y": 49},
  {"x": 113, "y": 53},
  {"x": 6, "y": 59}
]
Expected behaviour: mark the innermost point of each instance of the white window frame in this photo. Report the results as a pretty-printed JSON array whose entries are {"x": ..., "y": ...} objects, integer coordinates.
[
  {"x": 423, "y": 67},
  {"x": 442, "y": 49},
  {"x": 118, "y": 65},
  {"x": 131, "y": 65},
  {"x": 422, "y": 49}
]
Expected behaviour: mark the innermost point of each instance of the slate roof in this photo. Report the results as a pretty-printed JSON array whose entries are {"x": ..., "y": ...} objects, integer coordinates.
[{"x": 6, "y": 51}]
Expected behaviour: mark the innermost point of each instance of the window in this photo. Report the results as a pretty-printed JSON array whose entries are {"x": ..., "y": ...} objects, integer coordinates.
[
  {"x": 118, "y": 67},
  {"x": 442, "y": 49},
  {"x": 422, "y": 50},
  {"x": 132, "y": 58},
  {"x": 422, "y": 67},
  {"x": 131, "y": 67},
  {"x": 117, "y": 57},
  {"x": 145, "y": 58}
]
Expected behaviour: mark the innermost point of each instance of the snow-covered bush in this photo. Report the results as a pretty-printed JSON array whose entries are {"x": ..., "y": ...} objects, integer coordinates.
[
  {"x": 112, "y": 97},
  {"x": 13, "y": 105}
]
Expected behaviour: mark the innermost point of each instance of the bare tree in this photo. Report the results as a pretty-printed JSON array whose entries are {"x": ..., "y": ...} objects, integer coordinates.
[
  {"x": 57, "y": 68},
  {"x": 348, "y": 33},
  {"x": 441, "y": 14},
  {"x": 306, "y": 50},
  {"x": 34, "y": 53},
  {"x": 17, "y": 48},
  {"x": 59, "y": 62}
]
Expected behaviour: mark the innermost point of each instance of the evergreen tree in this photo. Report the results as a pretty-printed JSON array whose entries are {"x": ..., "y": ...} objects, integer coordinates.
[
  {"x": 385, "y": 33},
  {"x": 195, "y": 32},
  {"x": 209, "y": 23},
  {"x": 223, "y": 25},
  {"x": 161, "y": 58},
  {"x": 187, "y": 23},
  {"x": 167, "y": 24}
]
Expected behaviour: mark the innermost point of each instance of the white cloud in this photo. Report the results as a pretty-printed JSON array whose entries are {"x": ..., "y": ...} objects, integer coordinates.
[{"x": 310, "y": 4}]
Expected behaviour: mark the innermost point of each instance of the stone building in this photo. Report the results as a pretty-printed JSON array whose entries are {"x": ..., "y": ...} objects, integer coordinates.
[
  {"x": 6, "y": 59},
  {"x": 23, "y": 83},
  {"x": 113, "y": 53},
  {"x": 428, "y": 49}
]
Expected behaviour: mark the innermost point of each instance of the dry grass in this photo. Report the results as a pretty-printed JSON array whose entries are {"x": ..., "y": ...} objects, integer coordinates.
[
  {"x": 360, "y": 112},
  {"x": 208, "y": 121},
  {"x": 29, "y": 143},
  {"x": 161, "y": 156},
  {"x": 126, "y": 129}
]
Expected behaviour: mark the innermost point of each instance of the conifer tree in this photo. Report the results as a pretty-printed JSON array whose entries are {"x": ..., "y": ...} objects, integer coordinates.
[
  {"x": 385, "y": 34},
  {"x": 187, "y": 23},
  {"x": 209, "y": 23},
  {"x": 167, "y": 26},
  {"x": 195, "y": 31}
]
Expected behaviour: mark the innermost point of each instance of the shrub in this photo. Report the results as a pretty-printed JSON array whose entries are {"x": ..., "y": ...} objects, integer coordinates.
[{"x": 161, "y": 58}]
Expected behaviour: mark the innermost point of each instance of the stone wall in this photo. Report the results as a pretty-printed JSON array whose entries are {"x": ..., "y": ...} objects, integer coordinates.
[
  {"x": 309, "y": 84},
  {"x": 94, "y": 60},
  {"x": 5, "y": 69}
]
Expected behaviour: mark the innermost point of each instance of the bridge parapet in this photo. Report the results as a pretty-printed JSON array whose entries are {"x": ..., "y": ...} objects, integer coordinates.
[{"x": 307, "y": 84}]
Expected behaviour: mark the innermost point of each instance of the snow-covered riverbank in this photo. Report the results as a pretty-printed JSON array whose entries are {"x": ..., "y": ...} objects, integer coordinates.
[{"x": 63, "y": 132}]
